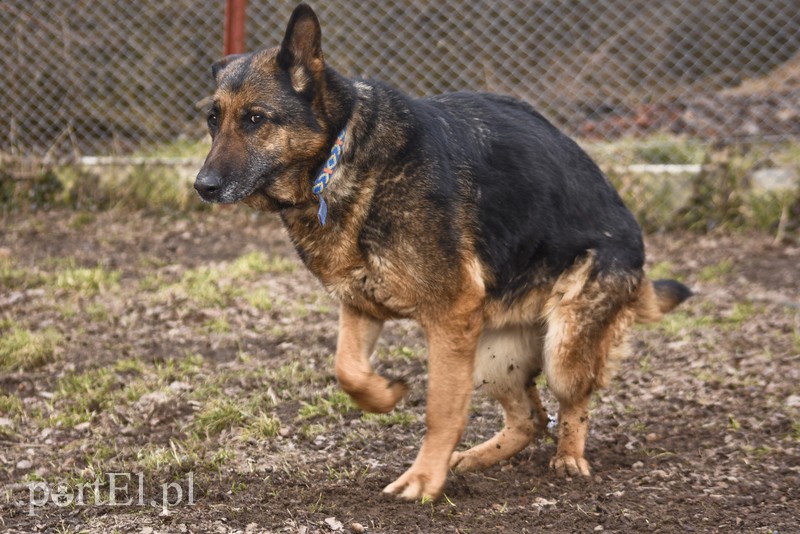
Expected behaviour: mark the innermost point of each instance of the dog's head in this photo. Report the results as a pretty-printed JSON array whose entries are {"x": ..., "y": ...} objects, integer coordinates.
[{"x": 267, "y": 121}]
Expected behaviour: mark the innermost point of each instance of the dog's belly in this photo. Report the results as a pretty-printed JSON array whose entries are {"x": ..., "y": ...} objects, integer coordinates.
[{"x": 507, "y": 359}]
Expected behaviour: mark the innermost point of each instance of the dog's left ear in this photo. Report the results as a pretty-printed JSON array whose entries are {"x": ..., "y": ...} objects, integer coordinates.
[{"x": 301, "y": 49}]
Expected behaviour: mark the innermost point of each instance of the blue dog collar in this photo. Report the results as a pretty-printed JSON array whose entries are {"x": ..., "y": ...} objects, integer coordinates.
[{"x": 324, "y": 176}]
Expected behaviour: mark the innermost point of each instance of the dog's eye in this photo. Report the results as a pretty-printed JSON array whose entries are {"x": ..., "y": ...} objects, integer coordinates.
[
  {"x": 256, "y": 118},
  {"x": 212, "y": 119}
]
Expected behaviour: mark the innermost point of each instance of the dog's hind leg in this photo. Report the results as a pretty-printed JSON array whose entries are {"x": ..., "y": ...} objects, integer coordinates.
[
  {"x": 524, "y": 419},
  {"x": 508, "y": 362},
  {"x": 358, "y": 333},
  {"x": 587, "y": 317}
]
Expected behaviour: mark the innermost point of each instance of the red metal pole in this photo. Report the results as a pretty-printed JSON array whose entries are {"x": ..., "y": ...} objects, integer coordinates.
[{"x": 234, "y": 26}]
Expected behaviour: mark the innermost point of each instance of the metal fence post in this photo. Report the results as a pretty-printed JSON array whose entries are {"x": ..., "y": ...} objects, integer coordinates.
[{"x": 234, "y": 26}]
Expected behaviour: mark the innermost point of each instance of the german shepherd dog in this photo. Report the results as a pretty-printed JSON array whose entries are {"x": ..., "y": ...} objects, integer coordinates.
[{"x": 469, "y": 213}]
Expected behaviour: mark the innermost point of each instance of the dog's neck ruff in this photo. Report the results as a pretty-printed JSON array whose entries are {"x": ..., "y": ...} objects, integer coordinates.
[{"x": 324, "y": 176}]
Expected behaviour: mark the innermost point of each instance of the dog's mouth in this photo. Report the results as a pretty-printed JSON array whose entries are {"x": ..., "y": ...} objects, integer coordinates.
[
  {"x": 256, "y": 193},
  {"x": 222, "y": 194},
  {"x": 216, "y": 189}
]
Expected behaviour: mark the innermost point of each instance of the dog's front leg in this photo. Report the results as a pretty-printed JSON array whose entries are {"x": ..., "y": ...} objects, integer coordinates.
[
  {"x": 358, "y": 333},
  {"x": 451, "y": 343}
]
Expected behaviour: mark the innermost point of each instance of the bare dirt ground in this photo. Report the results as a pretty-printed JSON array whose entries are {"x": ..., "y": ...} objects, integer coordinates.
[{"x": 197, "y": 350}]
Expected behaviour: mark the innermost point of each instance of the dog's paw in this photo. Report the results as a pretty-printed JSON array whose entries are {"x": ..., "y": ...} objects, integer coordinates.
[
  {"x": 464, "y": 462},
  {"x": 456, "y": 459},
  {"x": 414, "y": 485},
  {"x": 566, "y": 465},
  {"x": 381, "y": 399}
]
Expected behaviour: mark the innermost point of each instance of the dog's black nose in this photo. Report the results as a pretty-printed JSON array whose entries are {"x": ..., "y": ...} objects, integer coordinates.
[{"x": 207, "y": 184}]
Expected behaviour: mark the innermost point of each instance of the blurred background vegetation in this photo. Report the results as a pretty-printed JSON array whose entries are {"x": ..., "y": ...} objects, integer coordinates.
[{"x": 705, "y": 93}]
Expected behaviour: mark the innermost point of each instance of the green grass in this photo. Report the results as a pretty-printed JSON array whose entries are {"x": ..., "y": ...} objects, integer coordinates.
[
  {"x": 218, "y": 415},
  {"x": 12, "y": 277},
  {"x": 293, "y": 374},
  {"x": 184, "y": 368},
  {"x": 403, "y": 353},
  {"x": 335, "y": 402},
  {"x": 97, "y": 312},
  {"x": 795, "y": 433},
  {"x": 22, "y": 349},
  {"x": 310, "y": 431},
  {"x": 397, "y": 417},
  {"x": 265, "y": 426},
  {"x": 81, "y": 219},
  {"x": 256, "y": 263},
  {"x": 85, "y": 281},
  {"x": 204, "y": 286},
  {"x": 217, "y": 325},
  {"x": 82, "y": 395},
  {"x": 154, "y": 188},
  {"x": 259, "y": 299},
  {"x": 11, "y": 406},
  {"x": 681, "y": 322},
  {"x": 661, "y": 270},
  {"x": 215, "y": 287},
  {"x": 741, "y": 313},
  {"x": 179, "y": 455},
  {"x": 347, "y": 474},
  {"x": 657, "y": 149},
  {"x": 129, "y": 366},
  {"x": 716, "y": 272}
]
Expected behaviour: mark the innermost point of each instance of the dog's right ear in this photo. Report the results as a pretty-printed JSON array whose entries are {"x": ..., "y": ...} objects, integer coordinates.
[{"x": 217, "y": 66}]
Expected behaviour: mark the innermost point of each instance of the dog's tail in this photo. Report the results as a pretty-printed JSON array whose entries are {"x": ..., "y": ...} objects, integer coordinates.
[{"x": 657, "y": 297}]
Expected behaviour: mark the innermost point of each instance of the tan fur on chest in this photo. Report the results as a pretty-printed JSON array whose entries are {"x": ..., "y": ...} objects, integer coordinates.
[
  {"x": 374, "y": 284},
  {"x": 374, "y": 288}
]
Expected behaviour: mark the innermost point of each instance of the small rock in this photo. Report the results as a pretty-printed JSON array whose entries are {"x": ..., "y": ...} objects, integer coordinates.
[
  {"x": 358, "y": 528},
  {"x": 660, "y": 473},
  {"x": 147, "y": 530},
  {"x": 793, "y": 401},
  {"x": 541, "y": 502},
  {"x": 5, "y": 421},
  {"x": 333, "y": 524},
  {"x": 80, "y": 427},
  {"x": 251, "y": 528},
  {"x": 599, "y": 528},
  {"x": 284, "y": 431},
  {"x": 178, "y": 386},
  {"x": 150, "y": 400},
  {"x": 24, "y": 464},
  {"x": 638, "y": 465},
  {"x": 650, "y": 438}
]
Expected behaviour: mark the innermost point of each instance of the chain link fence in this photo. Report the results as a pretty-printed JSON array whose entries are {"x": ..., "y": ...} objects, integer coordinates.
[{"x": 119, "y": 78}]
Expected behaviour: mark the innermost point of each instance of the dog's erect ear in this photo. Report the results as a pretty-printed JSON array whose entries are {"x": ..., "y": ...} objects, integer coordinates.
[
  {"x": 218, "y": 65},
  {"x": 301, "y": 49}
]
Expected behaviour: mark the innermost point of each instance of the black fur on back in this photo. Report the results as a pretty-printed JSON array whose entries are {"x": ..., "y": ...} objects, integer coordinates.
[{"x": 533, "y": 198}]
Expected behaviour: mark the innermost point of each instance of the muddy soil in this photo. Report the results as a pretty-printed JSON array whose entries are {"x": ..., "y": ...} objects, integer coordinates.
[{"x": 698, "y": 432}]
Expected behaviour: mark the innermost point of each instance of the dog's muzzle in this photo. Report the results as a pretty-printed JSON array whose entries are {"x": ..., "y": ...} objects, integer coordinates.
[{"x": 208, "y": 184}]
